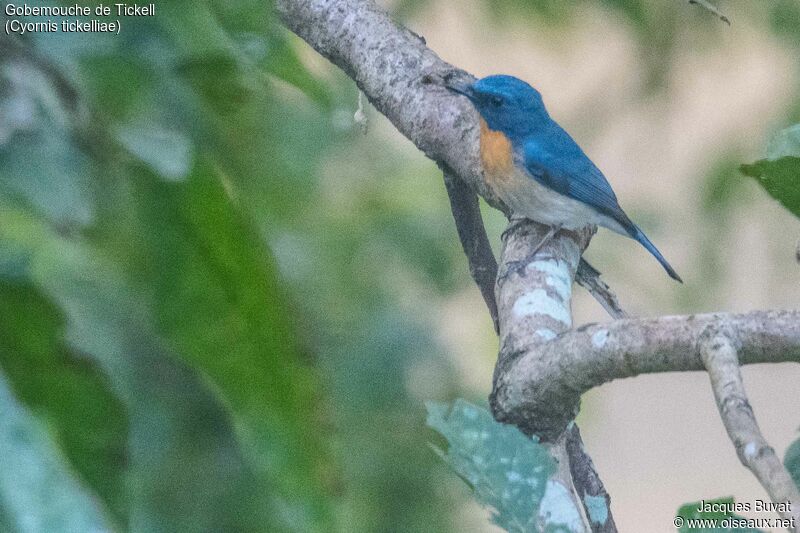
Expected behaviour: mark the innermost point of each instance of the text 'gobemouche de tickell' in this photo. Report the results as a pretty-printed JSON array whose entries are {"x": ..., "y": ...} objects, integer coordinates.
[{"x": 75, "y": 10}]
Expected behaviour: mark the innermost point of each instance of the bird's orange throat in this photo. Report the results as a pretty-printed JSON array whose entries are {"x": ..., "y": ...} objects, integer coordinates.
[{"x": 496, "y": 153}]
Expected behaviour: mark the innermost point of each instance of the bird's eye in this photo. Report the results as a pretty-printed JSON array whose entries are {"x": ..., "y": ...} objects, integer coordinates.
[{"x": 496, "y": 101}]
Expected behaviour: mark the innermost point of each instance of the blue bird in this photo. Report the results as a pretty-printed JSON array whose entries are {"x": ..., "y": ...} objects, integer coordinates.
[{"x": 537, "y": 169}]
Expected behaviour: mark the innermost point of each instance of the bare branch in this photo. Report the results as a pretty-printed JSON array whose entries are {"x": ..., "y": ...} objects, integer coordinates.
[
  {"x": 719, "y": 356},
  {"x": 593, "y": 495},
  {"x": 711, "y": 8},
  {"x": 589, "y": 278},
  {"x": 540, "y": 389},
  {"x": 472, "y": 233},
  {"x": 533, "y": 297}
]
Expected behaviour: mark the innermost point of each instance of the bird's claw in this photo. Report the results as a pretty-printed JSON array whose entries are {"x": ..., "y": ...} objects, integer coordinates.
[
  {"x": 514, "y": 224},
  {"x": 516, "y": 266}
]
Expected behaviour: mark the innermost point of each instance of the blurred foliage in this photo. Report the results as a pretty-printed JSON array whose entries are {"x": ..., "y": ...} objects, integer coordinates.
[
  {"x": 163, "y": 374},
  {"x": 778, "y": 173},
  {"x": 38, "y": 489},
  {"x": 215, "y": 302},
  {"x": 142, "y": 315},
  {"x": 690, "y": 511},
  {"x": 785, "y": 19},
  {"x": 507, "y": 471}
]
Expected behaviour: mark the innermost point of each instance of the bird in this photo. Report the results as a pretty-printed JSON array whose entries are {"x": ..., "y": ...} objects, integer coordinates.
[{"x": 537, "y": 169}]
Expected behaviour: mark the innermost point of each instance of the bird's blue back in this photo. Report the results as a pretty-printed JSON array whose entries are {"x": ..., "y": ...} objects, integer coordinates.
[{"x": 553, "y": 158}]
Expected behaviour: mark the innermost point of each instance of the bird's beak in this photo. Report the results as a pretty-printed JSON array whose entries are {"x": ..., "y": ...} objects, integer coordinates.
[
  {"x": 461, "y": 87},
  {"x": 454, "y": 80}
]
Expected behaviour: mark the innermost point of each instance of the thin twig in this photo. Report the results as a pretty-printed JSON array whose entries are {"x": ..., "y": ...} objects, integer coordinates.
[
  {"x": 360, "y": 116},
  {"x": 588, "y": 277},
  {"x": 721, "y": 360},
  {"x": 472, "y": 233},
  {"x": 711, "y": 8}
]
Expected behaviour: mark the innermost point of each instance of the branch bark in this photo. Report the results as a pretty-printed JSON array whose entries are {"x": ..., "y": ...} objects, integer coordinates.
[
  {"x": 719, "y": 356},
  {"x": 534, "y": 295},
  {"x": 540, "y": 386},
  {"x": 589, "y": 278},
  {"x": 591, "y": 491}
]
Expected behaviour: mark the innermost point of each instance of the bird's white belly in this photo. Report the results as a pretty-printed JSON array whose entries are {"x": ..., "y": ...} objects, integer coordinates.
[{"x": 528, "y": 198}]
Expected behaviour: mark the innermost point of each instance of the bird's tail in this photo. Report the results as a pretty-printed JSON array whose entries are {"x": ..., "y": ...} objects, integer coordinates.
[{"x": 636, "y": 233}]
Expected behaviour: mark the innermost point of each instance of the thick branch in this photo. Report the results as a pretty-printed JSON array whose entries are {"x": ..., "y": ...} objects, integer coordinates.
[
  {"x": 540, "y": 387},
  {"x": 387, "y": 62},
  {"x": 719, "y": 356},
  {"x": 533, "y": 298}
]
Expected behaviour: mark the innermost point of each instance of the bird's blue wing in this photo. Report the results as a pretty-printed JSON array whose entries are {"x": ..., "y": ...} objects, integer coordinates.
[{"x": 558, "y": 163}]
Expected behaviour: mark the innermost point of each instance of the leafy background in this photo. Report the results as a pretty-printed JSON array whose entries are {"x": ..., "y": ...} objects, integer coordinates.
[{"x": 219, "y": 311}]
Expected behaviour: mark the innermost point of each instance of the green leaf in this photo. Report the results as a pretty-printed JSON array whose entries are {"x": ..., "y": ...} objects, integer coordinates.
[
  {"x": 38, "y": 493},
  {"x": 184, "y": 468},
  {"x": 792, "y": 461},
  {"x": 65, "y": 389},
  {"x": 508, "y": 471},
  {"x": 779, "y": 174},
  {"x": 42, "y": 168},
  {"x": 218, "y": 79},
  {"x": 214, "y": 290},
  {"x": 168, "y": 152},
  {"x": 714, "y": 517}
]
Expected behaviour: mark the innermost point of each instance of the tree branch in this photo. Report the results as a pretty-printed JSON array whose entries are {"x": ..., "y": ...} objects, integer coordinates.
[
  {"x": 719, "y": 355},
  {"x": 540, "y": 387},
  {"x": 533, "y": 299},
  {"x": 589, "y": 278},
  {"x": 711, "y": 8},
  {"x": 469, "y": 224},
  {"x": 593, "y": 495}
]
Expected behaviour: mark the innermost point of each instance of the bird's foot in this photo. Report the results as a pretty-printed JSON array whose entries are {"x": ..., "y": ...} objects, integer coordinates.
[
  {"x": 514, "y": 223},
  {"x": 514, "y": 267},
  {"x": 547, "y": 237}
]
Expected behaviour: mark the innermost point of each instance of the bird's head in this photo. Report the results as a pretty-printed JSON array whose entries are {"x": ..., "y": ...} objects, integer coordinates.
[{"x": 506, "y": 103}]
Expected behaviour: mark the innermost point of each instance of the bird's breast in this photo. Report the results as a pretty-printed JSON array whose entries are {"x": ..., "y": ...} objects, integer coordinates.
[
  {"x": 496, "y": 155},
  {"x": 522, "y": 193}
]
